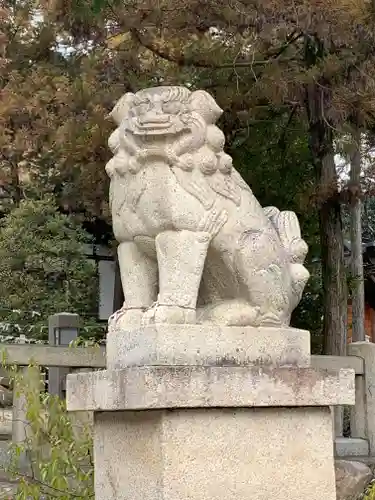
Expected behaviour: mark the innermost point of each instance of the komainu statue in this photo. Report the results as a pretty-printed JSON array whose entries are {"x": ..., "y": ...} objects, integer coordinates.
[{"x": 195, "y": 246}]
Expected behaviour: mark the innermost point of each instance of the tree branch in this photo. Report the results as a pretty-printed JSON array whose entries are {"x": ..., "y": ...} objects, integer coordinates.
[
  {"x": 183, "y": 60},
  {"x": 33, "y": 480},
  {"x": 281, "y": 141}
]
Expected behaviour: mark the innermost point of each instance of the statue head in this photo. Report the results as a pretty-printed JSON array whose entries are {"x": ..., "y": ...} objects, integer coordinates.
[{"x": 164, "y": 110}]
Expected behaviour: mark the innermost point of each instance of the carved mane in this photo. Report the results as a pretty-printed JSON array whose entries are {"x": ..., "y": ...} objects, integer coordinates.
[{"x": 193, "y": 146}]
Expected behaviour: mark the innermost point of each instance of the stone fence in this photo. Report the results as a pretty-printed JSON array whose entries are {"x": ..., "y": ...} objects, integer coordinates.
[{"x": 354, "y": 427}]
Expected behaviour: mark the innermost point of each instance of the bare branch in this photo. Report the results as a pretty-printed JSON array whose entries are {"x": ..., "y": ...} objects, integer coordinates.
[{"x": 281, "y": 141}]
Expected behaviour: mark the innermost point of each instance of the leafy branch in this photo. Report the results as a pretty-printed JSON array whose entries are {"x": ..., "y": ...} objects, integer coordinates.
[{"x": 58, "y": 448}]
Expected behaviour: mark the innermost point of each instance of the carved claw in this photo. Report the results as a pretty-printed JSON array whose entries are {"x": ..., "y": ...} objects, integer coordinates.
[
  {"x": 213, "y": 222},
  {"x": 125, "y": 317},
  {"x": 271, "y": 319}
]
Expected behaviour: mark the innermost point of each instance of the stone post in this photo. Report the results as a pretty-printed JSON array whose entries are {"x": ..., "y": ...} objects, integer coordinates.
[
  {"x": 363, "y": 416},
  {"x": 21, "y": 430},
  {"x": 193, "y": 412},
  {"x": 62, "y": 330}
]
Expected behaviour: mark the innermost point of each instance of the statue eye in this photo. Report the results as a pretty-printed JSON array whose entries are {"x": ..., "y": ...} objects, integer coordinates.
[
  {"x": 142, "y": 107},
  {"x": 172, "y": 107}
]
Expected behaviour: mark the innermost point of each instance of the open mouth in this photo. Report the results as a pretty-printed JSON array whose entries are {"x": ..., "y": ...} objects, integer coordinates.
[{"x": 154, "y": 124}]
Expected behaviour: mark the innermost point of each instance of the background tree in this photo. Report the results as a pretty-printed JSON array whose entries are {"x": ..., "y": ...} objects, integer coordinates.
[
  {"x": 43, "y": 267},
  {"x": 54, "y": 99},
  {"x": 273, "y": 156}
]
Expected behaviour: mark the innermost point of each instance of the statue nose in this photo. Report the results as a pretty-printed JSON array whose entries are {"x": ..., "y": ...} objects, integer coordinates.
[{"x": 153, "y": 117}]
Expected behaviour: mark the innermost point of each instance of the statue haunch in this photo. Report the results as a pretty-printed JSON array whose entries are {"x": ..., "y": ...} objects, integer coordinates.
[{"x": 195, "y": 245}]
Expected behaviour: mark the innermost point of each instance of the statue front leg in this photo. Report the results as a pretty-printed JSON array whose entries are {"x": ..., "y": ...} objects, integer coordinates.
[
  {"x": 181, "y": 256},
  {"x": 139, "y": 281}
]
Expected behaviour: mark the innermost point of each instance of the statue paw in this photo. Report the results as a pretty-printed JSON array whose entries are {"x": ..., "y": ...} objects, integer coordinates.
[
  {"x": 168, "y": 314},
  {"x": 230, "y": 313},
  {"x": 125, "y": 317}
]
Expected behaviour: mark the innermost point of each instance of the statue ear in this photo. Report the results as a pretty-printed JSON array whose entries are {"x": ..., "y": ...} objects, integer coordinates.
[
  {"x": 204, "y": 104},
  {"x": 114, "y": 141},
  {"x": 121, "y": 109}
]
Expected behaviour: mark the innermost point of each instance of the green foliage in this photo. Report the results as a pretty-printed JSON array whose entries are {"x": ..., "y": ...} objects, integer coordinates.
[
  {"x": 43, "y": 267},
  {"x": 370, "y": 493},
  {"x": 273, "y": 156},
  {"x": 277, "y": 164},
  {"x": 58, "y": 447},
  {"x": 309, "y": 313}
]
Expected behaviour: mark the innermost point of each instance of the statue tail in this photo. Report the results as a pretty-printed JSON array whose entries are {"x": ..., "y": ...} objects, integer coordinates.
[{"x": 287, "y": 226}]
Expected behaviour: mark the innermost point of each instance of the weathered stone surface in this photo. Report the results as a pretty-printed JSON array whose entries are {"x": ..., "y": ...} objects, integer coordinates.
[
  {"x": 220, "y": 454},
  {"x": 204, "y": 386},
  {"x": 194, "y": 243},
  {"x": 207, "y": 345},
  {"x": 352, "y": 479},
  {"x": 6, "y": 417},
  {"x": 351, "y": 447}
]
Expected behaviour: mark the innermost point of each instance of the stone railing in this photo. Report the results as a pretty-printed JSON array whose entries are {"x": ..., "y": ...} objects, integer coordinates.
[
  {"x": 351, "y": 436},
  {"x": 360, "y": 442},
  {"x": 362, "y": 415},
  {"x": 70, "y": 359},
  {"x": 354, "y": 427}
]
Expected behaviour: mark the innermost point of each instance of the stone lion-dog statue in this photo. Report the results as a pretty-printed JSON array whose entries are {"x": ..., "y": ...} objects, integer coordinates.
[{"x": 195, "y": 246}]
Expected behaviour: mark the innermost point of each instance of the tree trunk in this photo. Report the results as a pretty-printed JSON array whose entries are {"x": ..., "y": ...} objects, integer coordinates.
[
  {"x": 357, "y": 278},
  {"x": 331, "y": 235}
]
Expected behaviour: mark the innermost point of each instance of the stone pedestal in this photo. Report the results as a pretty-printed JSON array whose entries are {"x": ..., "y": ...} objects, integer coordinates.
[{"x": 210, "y": 413}]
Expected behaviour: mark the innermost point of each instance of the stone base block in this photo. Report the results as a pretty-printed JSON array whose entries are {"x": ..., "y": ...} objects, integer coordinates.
[
  {"x": 351, "y": 447},
  {"x": 152, "y": 387},
  {"x": 207, "y": 345},
  {"x": 214, "y": 454}
]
